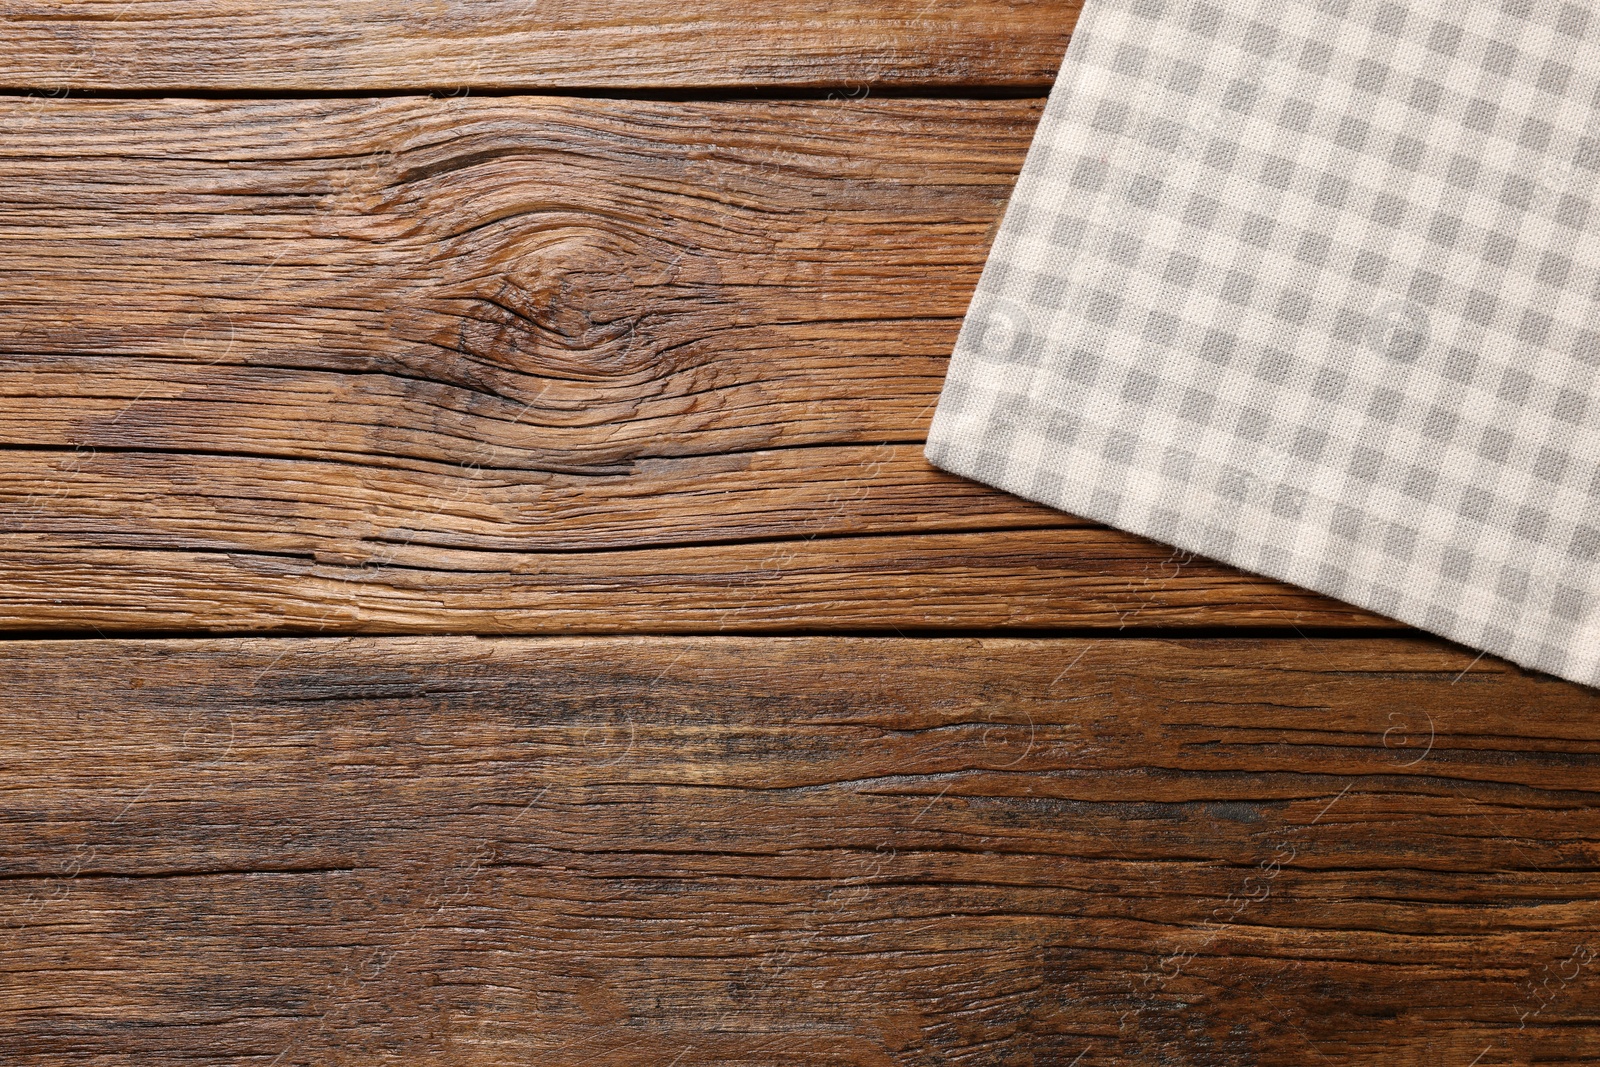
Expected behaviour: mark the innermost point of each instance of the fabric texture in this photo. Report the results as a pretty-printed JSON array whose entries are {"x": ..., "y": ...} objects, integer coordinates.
[{"x": 1309, "y": 286}]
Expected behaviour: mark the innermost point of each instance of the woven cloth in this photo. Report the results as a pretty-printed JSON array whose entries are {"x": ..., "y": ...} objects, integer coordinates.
[{"x": 1309, "y": 287}]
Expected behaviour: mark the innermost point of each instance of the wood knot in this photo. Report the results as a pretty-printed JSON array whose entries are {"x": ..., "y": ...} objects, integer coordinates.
[{"x": 573, "y": 301}]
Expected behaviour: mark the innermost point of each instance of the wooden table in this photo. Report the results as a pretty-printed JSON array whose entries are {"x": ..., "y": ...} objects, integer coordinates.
[{"x": 474, "y": 594}]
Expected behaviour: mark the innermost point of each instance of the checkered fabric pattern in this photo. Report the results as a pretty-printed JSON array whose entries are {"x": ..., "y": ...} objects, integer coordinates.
[{"x": 1309, "y": 286}]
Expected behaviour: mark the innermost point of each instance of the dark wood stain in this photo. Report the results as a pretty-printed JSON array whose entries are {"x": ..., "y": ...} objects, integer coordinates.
[{"x": 758, "y": 850}]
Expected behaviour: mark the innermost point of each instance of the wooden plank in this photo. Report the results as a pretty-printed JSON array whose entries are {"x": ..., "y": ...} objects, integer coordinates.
[
  {"x": 772, "y": 851},
  {"x": 316, "y": 45},
  {"x": 522, "y": 365}
]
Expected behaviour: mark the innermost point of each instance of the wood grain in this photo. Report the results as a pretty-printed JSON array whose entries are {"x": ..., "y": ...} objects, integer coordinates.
[
  {"x": 773, "y": 851},
  {"x": 454, "y": 359},
  {"x": 316, "y": 45},
  {"x": 523, "y": 365}
]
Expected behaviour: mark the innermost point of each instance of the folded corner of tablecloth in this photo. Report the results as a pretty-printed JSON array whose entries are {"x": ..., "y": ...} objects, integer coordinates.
[{"x": 1310, "y": 287}]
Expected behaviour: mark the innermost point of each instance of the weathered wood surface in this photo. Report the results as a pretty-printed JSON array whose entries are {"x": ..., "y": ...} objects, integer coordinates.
[
  {"x": 318, "y": 45},
  {"x": 771, "y": 851},
  {"x": 522, "y": 365}
]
